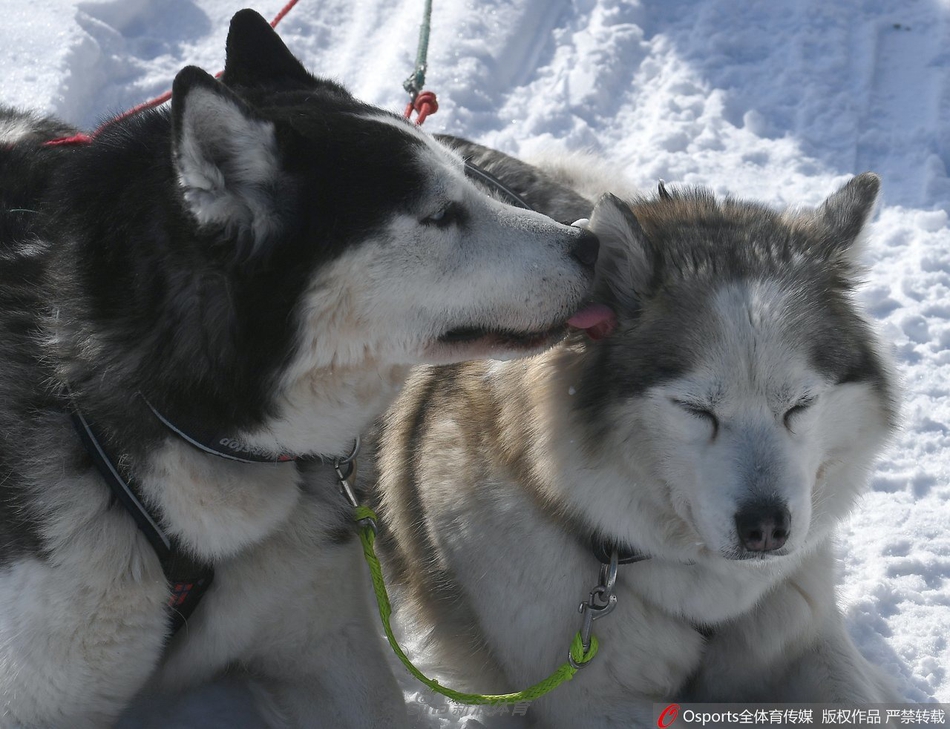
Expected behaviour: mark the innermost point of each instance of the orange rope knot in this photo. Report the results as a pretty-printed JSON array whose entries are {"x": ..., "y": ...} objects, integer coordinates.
[{"x": 424, "y": 104}]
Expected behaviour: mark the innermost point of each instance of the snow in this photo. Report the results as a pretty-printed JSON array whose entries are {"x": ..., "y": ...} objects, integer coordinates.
[{"x": 779, "y": 101}]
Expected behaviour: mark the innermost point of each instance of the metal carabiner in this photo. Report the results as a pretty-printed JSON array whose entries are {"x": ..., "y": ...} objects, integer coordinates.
[
  {"x": 345, "y": 468},
  {"x": 345, "y": 479},
  {"x": 600, "y": 602}
]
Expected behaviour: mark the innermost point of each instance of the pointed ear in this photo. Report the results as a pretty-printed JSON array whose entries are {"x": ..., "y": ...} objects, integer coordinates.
[
  {"x": 225, "y": 156},
  {"x": 843, "y": 216},
  {"x": 256, "y": 55},
  {"x": 626, "y": 260}
]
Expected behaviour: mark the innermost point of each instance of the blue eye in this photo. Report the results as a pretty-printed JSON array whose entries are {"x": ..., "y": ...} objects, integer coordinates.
[{"x": 447, "y": 215}]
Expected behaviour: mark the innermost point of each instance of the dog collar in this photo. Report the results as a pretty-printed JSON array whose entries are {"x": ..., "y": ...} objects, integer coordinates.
[
  {"x": 225, "y": 446},
  {"x": 604, "y": 548},
  {"x": 187, "y": 578}
]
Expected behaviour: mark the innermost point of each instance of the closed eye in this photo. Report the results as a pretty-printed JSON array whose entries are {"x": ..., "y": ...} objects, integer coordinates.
[
  {"x": 449, "y": 214},
  {"x": 698, "y": 411},
  {"x": 796, "y": 409}
]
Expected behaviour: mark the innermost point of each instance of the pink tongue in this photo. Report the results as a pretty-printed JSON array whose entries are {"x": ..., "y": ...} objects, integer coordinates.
[{"x": 595, "y": 319}]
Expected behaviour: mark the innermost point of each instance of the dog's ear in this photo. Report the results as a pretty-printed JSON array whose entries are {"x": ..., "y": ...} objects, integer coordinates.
[
  {"x": 845, "y": 212},
  {"x": 256, "y": 55},
  {"x": 836, "y": 226},
  {"x": 225, "y": 156},
  {"x": 625, "y": 267}
]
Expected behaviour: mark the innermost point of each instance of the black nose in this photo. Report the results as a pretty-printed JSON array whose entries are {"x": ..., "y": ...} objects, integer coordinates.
[
  {"x": 763, "y": 526},
  {"x": 586, "y": 248}
]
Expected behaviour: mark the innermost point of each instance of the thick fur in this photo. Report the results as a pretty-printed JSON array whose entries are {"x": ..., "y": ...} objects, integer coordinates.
[
  {"x": 264, "y": 260},
  {"x": 741, "y": 371}
]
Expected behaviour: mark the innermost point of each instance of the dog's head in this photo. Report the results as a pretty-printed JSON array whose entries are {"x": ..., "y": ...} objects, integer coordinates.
[
  {"x": 306, "y": 233},
  {"x": 405, "y": 258},
  {"x": 748, "y": 392}
]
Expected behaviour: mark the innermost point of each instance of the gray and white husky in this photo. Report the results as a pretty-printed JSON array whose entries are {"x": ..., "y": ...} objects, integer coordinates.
[
  {"x": 718, "y": 436},
  {"x": 197, "y": 303}
]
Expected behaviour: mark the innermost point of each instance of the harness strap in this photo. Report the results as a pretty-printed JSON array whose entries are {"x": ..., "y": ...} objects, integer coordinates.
[
  {"x": 487, "y": 179},
  {"x": 188, "y": 578}
]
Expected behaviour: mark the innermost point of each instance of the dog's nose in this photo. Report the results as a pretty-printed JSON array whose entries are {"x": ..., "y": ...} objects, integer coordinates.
[
  {"x": 763, "y": 526},
  {"x": 586, "y": 248}
]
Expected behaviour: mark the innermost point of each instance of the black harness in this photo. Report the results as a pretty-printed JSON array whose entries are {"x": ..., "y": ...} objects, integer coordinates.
[{"x": 188, "y": 578}]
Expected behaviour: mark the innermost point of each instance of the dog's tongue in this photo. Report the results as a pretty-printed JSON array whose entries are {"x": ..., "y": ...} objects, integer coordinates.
[{"x": 595, "y": 319}]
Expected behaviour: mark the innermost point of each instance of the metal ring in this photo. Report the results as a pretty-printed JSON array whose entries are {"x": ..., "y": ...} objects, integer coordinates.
[
  {"x": 576, "y": 666},
  {"x": 599, "y": 594},
  {"x": 608, "y": 572},
  {"x": 344, "y": 470},
  {"x": 368, "y": 522},
  {"x": 347, "y": 459}
]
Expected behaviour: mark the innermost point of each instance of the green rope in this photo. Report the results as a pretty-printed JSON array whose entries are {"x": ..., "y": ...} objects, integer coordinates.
[
  {"x": 415, "y": 83},
  {"x": 367, "y": 518}
]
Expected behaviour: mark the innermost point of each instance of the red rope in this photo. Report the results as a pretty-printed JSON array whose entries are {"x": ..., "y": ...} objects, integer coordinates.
[
  {"x": 151, "y": 103},
  {"x": 424, "y": 104},
  {"x": 280, "y": 16},
  {"x": 78, "y": 138}
]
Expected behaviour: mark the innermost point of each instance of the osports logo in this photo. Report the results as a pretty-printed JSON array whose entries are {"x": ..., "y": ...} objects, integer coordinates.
[{"x": 668, "y": 716}]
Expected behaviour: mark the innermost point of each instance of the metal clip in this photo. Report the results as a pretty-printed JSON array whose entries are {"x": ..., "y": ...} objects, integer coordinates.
[
  {"x": 600, "y": 602},
  {"x": 346, "y": 477},
  {"x": 345, "y": 469}
]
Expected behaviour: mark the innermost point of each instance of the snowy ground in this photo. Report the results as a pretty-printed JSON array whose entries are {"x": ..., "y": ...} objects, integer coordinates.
[{"x": 779, "y": 101}]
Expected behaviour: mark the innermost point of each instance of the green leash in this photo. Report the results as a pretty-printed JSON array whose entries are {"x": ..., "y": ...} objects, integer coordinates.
[
  {"x": 367, "y": 521},
  {"x": 417, "y": 81},
  {"x": 601, "y": 602}
]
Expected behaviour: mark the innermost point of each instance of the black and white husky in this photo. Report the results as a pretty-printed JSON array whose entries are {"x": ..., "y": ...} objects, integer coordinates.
[
  {"x": 197, "y": 304},
  {"x": 714, "y": 441}
]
